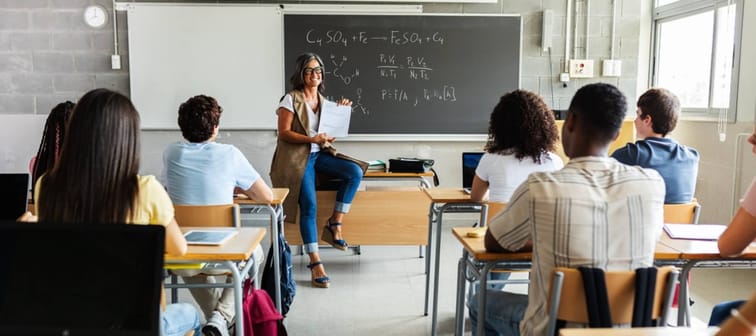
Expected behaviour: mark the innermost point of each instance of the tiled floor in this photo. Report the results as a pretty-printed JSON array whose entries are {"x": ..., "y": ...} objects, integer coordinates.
[{"x": 381, "y": 291}]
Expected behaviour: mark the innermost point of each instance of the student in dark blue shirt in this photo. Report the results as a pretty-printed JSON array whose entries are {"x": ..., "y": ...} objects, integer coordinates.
[{"x": 658, "y": 110}]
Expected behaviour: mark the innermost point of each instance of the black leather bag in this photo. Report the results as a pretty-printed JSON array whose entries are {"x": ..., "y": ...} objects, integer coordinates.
[
  {"x": 413, "y": 165},
  {"x": 410, "y": 165}
]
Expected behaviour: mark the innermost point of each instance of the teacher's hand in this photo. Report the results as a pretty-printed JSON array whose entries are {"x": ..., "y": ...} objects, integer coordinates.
[
  {"x": 322, "y": 138},
  {"x": 344, "y": 101}
]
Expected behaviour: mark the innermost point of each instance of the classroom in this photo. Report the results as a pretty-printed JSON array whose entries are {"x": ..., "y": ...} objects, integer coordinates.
[{"x": 49, "y": 53}]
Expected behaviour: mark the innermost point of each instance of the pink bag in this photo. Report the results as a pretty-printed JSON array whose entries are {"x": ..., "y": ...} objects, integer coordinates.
[{"x": 261, "y": 318}]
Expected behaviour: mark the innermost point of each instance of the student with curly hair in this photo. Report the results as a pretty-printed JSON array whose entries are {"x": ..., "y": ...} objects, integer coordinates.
[{"x": 522, "y": 136}]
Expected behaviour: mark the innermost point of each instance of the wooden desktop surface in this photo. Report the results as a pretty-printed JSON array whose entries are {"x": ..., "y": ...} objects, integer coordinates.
[
  {"x": 239, "y": 247},
  {"x": 702, "y": 249},
  {"x": 638, "y": 332},
  {"x": 447, "y": 195},
  {"x": 389, "y": 174},
  {"x": 279, "y": 194},
  {"x": 476, "y": 247}
]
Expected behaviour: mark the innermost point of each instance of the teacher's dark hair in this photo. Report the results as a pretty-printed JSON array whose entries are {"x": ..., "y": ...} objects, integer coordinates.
[
  {"x": 95, "y": 179},
  {"x": 297, "y": 78},
  {"x": 198, "y": 117},
  {"x": 52, "y": 139},
  {"x": 522, "y": 124}
]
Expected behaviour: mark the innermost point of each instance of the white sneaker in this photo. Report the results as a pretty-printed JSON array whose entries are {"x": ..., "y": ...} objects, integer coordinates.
[{"x": 216, "y": 326}]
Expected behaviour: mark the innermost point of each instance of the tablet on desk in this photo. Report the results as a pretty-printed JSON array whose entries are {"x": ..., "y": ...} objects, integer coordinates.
[{"x": 208, "y": 237}]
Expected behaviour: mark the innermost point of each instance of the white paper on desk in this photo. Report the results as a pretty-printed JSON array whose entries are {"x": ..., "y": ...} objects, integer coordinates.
[
  {"x": 694, "y": 231},
  {"x": 334, "y": 119}
]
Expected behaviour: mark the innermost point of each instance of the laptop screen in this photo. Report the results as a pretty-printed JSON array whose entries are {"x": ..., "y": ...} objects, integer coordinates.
[
  {"x": 93, "y": 279},
  {"x": 470, "y": 162},
  {"x": 14, "y": 196}
]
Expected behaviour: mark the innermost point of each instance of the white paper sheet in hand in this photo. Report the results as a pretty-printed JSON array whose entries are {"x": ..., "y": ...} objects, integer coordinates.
[{"x": 334, "y": 119}]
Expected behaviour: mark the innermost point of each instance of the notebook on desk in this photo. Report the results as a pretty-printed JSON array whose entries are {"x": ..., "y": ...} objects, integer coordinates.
[
  {"x": 14, "y": 196},
  {"x": 694, "y": 231},
  {"x": 95, "y": 279}
]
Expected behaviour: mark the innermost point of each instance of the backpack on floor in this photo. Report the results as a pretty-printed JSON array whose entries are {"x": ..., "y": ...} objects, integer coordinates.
[{"x": 288, "y": 286}]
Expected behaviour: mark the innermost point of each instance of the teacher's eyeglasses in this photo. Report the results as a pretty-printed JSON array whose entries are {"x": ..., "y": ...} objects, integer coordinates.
[{"x": 317, "y": 70}]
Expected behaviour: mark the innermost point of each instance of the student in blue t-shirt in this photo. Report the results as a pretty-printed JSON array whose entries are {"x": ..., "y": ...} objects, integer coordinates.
[
  {"x": 200, "y": 171},
  {"x": 658, "y": 110}
]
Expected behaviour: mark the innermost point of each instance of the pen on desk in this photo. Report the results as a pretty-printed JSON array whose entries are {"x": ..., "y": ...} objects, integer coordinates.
[{"x": 475, "y": 224}]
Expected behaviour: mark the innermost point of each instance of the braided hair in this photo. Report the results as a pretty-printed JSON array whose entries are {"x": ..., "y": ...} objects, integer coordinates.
[{"x": 52, "y": 139}]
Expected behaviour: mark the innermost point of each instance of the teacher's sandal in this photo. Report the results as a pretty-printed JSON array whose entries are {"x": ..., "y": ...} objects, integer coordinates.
[
  {"x": 321, "y": 282},
  {"x": 329, "y": 237}
]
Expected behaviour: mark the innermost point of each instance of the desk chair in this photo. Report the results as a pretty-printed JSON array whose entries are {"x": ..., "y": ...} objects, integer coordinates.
[
  {"x": 226, "y": 215},
  {"x": 685, "y": 213},
  {"x": 567, "y": 287}
]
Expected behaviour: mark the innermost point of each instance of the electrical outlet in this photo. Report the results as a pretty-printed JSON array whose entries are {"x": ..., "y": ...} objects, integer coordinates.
[
  {"x": 611, "y": 68},
  {"x": 581, "y": 68},
  {"x": 115, "y": 62}
]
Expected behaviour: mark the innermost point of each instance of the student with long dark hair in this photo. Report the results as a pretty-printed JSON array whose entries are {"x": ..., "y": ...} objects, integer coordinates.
[{"x": 97, "y": 180}]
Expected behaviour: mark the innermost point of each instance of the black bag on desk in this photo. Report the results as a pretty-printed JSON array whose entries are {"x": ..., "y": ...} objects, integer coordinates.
[{"x": 413, "y": 165}]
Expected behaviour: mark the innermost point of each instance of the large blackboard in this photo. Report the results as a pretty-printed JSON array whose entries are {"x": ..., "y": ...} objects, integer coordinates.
[{"x": 411, "y": 74}]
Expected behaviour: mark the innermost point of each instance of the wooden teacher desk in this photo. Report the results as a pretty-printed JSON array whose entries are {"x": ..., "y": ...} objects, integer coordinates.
[
  {"x": 638, "y": 332},
  {"x": 701, "y": 254},
  {"x": 275, "y": 210},
  {"x": 234, "y": 253}
]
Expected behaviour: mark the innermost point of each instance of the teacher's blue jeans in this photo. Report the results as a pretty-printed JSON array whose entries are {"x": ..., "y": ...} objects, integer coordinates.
[{"x": 349, "y": 173}]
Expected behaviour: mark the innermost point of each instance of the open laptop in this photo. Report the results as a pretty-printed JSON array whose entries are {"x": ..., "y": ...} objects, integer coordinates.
[
  {"x": 470, "y": 162},
  {"x": 83, "y": 279},
  {"x": 14, "y": 196}
]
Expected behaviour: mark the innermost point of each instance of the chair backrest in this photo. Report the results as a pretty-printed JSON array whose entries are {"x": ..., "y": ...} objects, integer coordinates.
[
  {"x": 493, "y": 209},
  {"x": 685, "y": 213},
  {"x": 567, "y": 288},
  {"x": 225, "y": 215}
]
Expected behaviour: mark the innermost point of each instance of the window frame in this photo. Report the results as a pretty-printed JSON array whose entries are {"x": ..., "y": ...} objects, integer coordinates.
[{"x": 685, "y": 8}]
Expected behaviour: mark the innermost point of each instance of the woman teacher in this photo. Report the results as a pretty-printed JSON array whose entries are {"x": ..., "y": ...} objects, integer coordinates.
[{"x": 301, "y": 152}]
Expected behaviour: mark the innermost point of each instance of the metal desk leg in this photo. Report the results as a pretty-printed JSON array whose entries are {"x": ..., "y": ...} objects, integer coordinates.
[
  {"x": 237, "y": 277},
  {"x": 276, "y": 219},
  {"x": 683, "y": 302},
  {"x": 459, "y": 311},
  {"x": 439, "y": 222},
  {"x": 482, "y": 291},
  {"x": 431, "y": 216}
]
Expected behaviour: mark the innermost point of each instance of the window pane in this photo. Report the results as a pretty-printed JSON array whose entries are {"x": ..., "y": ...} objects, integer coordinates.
[
  {"x": 684, "y": 62},
  {"x": 660, "y": 3},
  {"x": 723, "y": 56}
]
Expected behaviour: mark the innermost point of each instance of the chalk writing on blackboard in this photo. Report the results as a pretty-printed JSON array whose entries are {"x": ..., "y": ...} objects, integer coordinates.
[{"x": 393, "y": 37}]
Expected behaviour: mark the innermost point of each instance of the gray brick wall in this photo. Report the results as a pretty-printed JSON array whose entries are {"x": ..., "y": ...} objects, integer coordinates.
[{"x": 48, "y": 53}]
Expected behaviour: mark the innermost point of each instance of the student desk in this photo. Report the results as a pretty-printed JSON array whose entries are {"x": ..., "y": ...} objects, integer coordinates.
[
  {"x": 443, "y": 200},
  {"x": 703, "y": 254},
  {"x": 230, "y": 255},
  {"x": 275, "y": 210},
  {"x": 638, "y": 332},
  {"x": 476, "y": 260}
]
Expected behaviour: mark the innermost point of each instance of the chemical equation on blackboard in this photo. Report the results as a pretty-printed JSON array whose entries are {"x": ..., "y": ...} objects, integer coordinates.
[
  {"x": 415, "y": 97},
  {"x": 392, "y": 37},
  {"x": 390, "y": 66}
]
